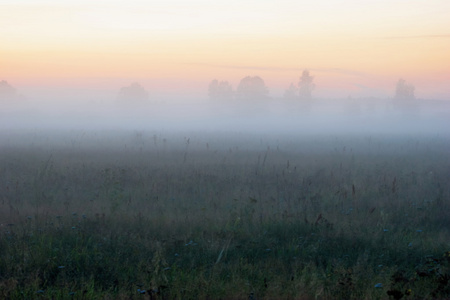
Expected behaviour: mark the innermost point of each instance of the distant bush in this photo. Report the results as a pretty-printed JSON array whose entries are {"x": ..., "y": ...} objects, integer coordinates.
[{"x": 133, "y": 93}]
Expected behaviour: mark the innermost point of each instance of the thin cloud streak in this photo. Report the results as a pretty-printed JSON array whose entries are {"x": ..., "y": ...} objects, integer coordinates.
[
  {"x": 286, "y": 69},
  {"x": 426, "y": 36}
]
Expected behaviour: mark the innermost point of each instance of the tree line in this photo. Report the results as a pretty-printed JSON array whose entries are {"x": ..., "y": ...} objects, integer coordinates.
[
  {"x": 254, "y": 88},
  {"x": 250, "y": 88}
]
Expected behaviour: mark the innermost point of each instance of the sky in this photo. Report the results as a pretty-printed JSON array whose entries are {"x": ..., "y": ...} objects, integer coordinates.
[{"x": 175, "y": 48}]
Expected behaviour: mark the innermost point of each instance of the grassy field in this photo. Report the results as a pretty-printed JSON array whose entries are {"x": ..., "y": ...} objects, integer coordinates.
[{"x": 142, "y": 215}]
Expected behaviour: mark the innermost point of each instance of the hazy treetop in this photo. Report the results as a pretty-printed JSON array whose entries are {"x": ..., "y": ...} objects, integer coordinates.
[
  {"x": 291, "y": 92},
  {"x": 133, "y": 93},
  {"x": 220, "y": 90},
  {"x": 252, "y": 88},
  {"x": 7, "y": 91},
  {"x": 306, "y": 85},
  {"x": 404, "y": 91}
]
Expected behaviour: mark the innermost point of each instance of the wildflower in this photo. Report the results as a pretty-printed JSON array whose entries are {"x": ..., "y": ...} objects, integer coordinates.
[
  {"x": 61, "y": 267},
  {"x": 379, "y": 285}
]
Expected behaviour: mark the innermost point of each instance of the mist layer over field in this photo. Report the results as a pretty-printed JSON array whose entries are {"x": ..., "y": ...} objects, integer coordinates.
[
  {"x": 210, "y": 214},
  {"x": 335, "y": 116},
  {"x": 331, "y": 199}
]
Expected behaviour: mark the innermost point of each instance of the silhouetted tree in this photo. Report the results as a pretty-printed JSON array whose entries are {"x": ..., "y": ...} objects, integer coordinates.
[
  {"x": 133, "y": 93},
  {"x": 404, "y": 99},
  {"x": 291, "y": 92},
  {"x": 220, "y": 90},
  {"x": 306, "y": 85},
  {"x": 252, "y": 88},
  {"x": 7, "y": 91},
  {"x": 404, "y": 91}
]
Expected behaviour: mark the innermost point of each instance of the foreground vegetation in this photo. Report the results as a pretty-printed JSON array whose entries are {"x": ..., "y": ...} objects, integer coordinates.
[{"x": 144, "y": 216}]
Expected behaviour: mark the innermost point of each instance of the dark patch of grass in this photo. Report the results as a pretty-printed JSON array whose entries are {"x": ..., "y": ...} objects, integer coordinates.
[{"x": 239, "y": 223}]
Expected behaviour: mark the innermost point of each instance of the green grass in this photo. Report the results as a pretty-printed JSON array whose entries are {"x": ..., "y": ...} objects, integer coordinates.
[{"x": 241, "y": 217}]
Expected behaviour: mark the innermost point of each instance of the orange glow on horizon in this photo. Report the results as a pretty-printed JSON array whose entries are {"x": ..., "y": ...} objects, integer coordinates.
[{"x": 342, "y": 46}]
